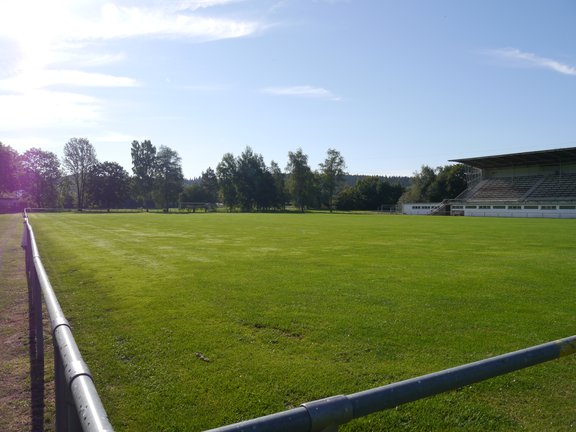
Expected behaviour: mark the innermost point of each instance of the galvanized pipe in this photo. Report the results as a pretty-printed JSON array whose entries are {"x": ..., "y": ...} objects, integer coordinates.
[
  {"x": 392, "y": 395},
  {"x": 35, "y": 347},
  {"x": 73, "y": 378},
  {"x": 327, "y": 414}
]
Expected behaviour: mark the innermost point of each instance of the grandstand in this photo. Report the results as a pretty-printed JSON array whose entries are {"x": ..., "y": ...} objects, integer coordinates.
[{"x": 531, "y": 184}]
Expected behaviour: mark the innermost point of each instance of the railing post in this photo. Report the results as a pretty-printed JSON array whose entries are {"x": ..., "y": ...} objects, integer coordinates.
[
  {"x": 59, "y": 392},
  {"x": 66, "y": 414},
  {"x": 35, "y": 338},
  {"x": 39, "y": 342}
]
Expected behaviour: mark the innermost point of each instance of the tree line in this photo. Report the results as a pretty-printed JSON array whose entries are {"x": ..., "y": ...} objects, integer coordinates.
[
  {"x": 246, "y": 183},
  {"x": 241, "y": 183},
  {"x": 39, "y": 179},
  {"x": 436, "y": 184}
]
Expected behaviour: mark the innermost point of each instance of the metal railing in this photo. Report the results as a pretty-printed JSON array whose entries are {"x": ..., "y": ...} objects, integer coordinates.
[
  {"x": 78, "y": 406},
  {"x": 325, "y": 415}
]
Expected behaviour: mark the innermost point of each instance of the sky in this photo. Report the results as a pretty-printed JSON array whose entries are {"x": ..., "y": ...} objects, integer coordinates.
[{"x": 391, "y": 84}]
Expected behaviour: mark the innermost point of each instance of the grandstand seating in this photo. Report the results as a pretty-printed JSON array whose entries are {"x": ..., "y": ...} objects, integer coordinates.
[
  {"x": 523, "y": 188},
  {"x": 560, "y": 186},
  {"x": 503, "y": 188}
]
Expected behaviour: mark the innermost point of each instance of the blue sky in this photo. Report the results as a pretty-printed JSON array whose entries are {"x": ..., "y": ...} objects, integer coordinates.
[{"x": 392, "y": 85}]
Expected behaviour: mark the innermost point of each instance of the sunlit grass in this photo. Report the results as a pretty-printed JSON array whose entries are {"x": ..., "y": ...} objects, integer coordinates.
[{"x": 289, "y": 308}]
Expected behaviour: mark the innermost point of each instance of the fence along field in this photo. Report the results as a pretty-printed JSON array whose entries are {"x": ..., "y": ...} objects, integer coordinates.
[{"x": 194, "y": 321}]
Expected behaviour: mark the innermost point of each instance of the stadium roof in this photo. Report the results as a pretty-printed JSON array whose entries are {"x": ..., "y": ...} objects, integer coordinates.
[{"x": 543, "y": 157}]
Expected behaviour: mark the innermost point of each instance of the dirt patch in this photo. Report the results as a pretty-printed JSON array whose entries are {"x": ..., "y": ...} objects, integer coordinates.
[
  {"x": 15, "y": 415},
  {"x": 14, "y": 363}
]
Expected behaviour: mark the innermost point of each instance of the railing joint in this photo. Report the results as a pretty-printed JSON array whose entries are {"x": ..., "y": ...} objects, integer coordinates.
[
  {"x": 59, "y": 322},
  {"x": 328, "y": 413}
]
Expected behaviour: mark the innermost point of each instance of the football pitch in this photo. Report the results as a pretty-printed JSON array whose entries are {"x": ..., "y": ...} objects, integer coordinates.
[{"x": 194, "y": 321}]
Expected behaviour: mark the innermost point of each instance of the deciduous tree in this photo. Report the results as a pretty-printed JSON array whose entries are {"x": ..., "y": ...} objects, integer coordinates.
[
  {"x": 435, "y": 185},
  {"x": 143, "y": 167},
  {"x": 79, "y": 158},
  {"x": 279, "y": 180},
  {"x": 108, "y": 184},
  {"x": 332, "y": 175},
  {"x": 226, "y": 173},
  {"x": 9, "y": 169},
  {"x": 250, "y": 180},
  {"x": 41, "y": 176},
  {"x": 168, "y": 177},
  {"x": 449, "y": 183},
  {"x": 194, "y": 193},
  {"x": 300, "y": 179},
  {"x": 210, "y": 184}
]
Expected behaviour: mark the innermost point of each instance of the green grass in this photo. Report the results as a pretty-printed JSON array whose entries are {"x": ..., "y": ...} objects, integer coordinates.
[{"x": 290, "y": 308}]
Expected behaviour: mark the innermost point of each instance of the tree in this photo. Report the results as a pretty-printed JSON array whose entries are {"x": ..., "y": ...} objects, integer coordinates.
[
  {"x": 194, "y": 193},
  {"x": 369, "y": 193},
  {"x": 300, "y": 180},
  {"x": 279, "y": 180},
  {"x": 41, "y": 176},
  {"x": 332, "y": 175},
  {"x": 65, "y": 196},
  {"x": 143, "y": 167},
  {"x": 419, "y": 188},
  {"x": 209, "y": 183},
  {"x": 226, "y": 173},
  {"x": 250, "y": 181},
  {"x": 349, "y": 199},
  {"x": 169, "y": 176},
  {"x": 204, "y": 191},
  {"x": 265, "y": 190},
  {"x": 449, "y": 183},
  {"x": 108, "y": 184},
  {"x": 435, "y": 185},
  {"x": 9, "y": 169},
  {"x": 79, "y": 158}
]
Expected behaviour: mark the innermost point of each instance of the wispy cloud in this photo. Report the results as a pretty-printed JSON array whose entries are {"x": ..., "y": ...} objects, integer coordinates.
[
  {"x": 125, "y": 22},
  {"x": 515, "y": 56},
  {"x": 73, "y": 59},
  {"x": 56, "y": 43},
  {"x": 61, "y": 22},
  {"x": 304, "y": 91}
]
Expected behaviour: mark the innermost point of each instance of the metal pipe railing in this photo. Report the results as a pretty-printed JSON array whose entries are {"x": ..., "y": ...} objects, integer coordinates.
[
  {"x": 78, "y": 406},
  {"x": 326, "y": 415}
]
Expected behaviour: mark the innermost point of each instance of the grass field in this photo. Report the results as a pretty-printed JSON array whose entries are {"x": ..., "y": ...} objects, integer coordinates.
[{"x": 290, "y": 308}]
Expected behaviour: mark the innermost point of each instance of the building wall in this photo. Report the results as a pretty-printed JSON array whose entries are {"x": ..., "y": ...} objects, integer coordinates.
[
  {"x": 565, "y": 210},
  {"x": 540, "y": 210},
  {"x": 419, "y": 208}
]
